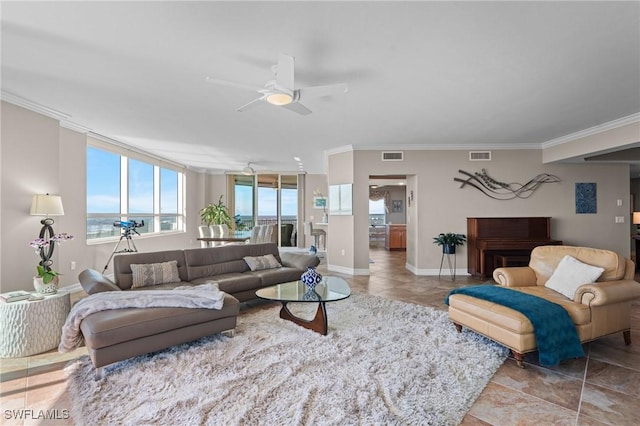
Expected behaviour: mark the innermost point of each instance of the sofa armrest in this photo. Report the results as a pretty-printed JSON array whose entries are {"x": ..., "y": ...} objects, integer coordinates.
[
  {"x": 299, "y": 260},
  {"x": 608, "y": 292},
  {"x": 520, "y": 276},
  {"x": 93, "y": 282}
]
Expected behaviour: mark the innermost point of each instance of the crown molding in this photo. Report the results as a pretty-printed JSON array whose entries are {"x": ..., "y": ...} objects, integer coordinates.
[
  {"x": 75, "y": 127},
  {"x": 446, "y": 147},
  {"x": 630, "y": 119},
  {"x": 425, "y": 147},
  {"x": 33, "y": 106}
]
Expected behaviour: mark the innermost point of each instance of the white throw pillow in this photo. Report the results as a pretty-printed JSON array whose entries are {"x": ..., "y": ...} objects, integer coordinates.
[{"x": 571, "y": 274}]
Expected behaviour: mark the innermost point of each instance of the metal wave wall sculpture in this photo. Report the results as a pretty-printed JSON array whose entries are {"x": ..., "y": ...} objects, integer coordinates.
[{"x": 501, "y": 190}]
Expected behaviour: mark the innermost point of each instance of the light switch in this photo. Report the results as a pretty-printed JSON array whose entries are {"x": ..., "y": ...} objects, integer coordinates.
[
  {"x": 619, "y": 203},
  {"x": 619, "y": 219}
]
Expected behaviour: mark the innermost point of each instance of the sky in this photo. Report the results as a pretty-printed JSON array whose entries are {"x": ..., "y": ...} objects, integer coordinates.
[{"x": 103, "y": 185}]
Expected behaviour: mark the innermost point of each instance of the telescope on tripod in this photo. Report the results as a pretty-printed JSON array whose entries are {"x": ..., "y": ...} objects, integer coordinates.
[{"x": 128, "y": 229}]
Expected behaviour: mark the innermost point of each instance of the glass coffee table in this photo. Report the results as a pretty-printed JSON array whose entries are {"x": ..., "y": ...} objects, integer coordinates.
[{"x": 331, "y": 289}]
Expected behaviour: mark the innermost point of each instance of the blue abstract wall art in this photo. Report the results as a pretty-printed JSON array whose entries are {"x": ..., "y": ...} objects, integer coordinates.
[{"x": 586, "y": 198}]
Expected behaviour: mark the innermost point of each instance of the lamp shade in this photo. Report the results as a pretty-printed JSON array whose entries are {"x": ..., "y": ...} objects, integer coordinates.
[
  {"x": 636, "y": 218},
  {"x": 47, "y": 205}
]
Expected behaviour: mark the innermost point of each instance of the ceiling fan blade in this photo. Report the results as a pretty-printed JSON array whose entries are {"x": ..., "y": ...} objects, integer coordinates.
[
  {"x": 285, "y": 71},
  {"x": 251, "y": 104},
  {"x": 231, "y": 84},
  {"x": 297, "y": 107},
  {"x": 320, "y": 91}
]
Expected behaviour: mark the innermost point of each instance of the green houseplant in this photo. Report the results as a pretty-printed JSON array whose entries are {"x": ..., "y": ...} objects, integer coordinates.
[
  {"x": 449, "y": 241},
  {"x": 216, "y": 214}
]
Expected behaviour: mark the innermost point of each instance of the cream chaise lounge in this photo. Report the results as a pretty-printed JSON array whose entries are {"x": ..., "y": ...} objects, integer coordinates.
[{"x": 597, "y": 309}]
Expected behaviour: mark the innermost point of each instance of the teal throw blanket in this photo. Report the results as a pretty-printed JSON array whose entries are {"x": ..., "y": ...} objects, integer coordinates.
[{"x": 555, "y": 332}]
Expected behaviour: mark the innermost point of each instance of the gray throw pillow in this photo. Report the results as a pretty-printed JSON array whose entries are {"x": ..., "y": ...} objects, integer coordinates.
[
  {"x": 148, "y": 274},
  {"x": 257, "y": 263}
]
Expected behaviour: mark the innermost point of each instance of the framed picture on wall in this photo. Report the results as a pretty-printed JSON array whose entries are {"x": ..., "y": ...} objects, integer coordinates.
[
  {"x": 319, "y": 202},
  {"x": 396, "y": 206}
]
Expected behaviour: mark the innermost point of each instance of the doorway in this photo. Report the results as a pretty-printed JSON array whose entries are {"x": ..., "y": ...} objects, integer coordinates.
[
  {"x": 267, "y": 199},
  {"x": 387, "y": 219}
]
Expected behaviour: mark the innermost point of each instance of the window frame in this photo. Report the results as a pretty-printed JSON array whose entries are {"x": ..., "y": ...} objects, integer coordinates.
[{"x": 124, "y": 215}]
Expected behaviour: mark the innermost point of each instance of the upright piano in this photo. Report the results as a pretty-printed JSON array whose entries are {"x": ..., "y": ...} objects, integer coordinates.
[{"x": 490, "y": 237}]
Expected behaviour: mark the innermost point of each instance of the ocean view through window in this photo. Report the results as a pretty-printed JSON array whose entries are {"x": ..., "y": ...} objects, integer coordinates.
[
  {"x": 125, "y": 189},
  {"x": 265, "y": 199}
]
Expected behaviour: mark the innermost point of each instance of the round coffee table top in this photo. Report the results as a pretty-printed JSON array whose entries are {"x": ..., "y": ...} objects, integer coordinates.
[{"x": 329, "y": 290}]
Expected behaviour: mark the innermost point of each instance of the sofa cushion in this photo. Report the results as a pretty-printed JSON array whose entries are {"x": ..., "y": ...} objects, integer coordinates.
[
  {"x": 122, "y": 264},
  {"x": 94, "y": 282},
  {"x": 212, "y": 261},
  {"x": 110, "y": 327},
  {"x": 150, "y": 274},
  {"x": 258, "y": 263},
  {"x": 234, "y": 282},
  {"x": 545, "y": 260},
  {"x": 571, "y": 274},
  {"x": 580, "y": 314},
  {"x": 277, "y": 276}
]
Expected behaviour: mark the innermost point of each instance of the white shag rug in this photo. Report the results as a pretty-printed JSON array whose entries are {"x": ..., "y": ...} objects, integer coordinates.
[{"x": 382, "y": 363}]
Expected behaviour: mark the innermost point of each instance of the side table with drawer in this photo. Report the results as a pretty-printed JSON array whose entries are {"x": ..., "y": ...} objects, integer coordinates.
[{"x": 30, "y": 328}]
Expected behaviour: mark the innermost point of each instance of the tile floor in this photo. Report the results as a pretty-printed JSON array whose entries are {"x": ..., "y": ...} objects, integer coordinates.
[{"x": 601, "y": 389}]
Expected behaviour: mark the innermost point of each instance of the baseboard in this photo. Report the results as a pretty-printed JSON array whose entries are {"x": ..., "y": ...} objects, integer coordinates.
[
  {"x": 435, "y": 272},
  {"x": 348, "y": 271}
]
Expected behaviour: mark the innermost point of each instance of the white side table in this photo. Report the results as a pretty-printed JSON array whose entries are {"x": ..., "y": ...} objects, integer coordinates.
[{"x": 29, "y": 328}]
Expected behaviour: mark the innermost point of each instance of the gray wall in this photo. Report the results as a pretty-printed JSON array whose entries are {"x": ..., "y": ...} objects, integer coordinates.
[{"x": 440, "y": 205}]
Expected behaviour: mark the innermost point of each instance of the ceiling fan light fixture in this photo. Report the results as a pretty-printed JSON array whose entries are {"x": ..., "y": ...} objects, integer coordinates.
[
  {"x": 279, "y": 99},
  {"x": 248, "y": 170}
]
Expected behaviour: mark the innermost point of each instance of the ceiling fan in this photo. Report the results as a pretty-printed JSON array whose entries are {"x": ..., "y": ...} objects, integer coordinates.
[
  {"x": 281, "y": 91},
  {"x": 248, "y": 170}
]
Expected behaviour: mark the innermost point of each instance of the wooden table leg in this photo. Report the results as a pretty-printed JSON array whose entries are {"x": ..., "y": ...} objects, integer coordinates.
[{"x": 317, "y": 324}]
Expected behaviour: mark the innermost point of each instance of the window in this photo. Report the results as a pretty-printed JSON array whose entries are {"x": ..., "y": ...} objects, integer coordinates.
[
  {"x": 120, "y": 188},
  {"x": 265, "y": 199},
  {"x": 376, "y": 212}
]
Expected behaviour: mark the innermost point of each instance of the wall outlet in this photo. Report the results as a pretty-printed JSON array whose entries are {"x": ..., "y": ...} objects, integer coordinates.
[
  {"x": 619, "y": 219},
  {"x": 619, "y": 202},
  {"x": 73, "y": 266}
]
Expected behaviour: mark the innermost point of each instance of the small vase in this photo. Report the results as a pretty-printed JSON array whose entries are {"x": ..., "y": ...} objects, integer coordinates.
[
  {"x": 42, "y": 288},
  {"x": 311, "y": 296},
  {"x": 311, "y": 278}
]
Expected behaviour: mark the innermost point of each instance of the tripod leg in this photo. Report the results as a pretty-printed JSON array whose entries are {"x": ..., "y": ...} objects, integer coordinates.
[
  {"x": 112, "y": 253},
  {"x": 135, "y": 249}
]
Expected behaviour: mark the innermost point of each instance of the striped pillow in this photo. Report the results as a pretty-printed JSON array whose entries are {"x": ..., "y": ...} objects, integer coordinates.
[
  {"x": 257, "y": 263},
  {"x": 148, "y": 274}
]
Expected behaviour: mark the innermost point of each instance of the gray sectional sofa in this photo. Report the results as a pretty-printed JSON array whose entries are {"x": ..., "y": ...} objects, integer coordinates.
[{"x": 116, "y": 335}]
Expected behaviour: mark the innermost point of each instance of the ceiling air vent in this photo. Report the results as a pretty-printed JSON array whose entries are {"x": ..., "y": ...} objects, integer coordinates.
[
  {"x": 393, "y": 156},
  {"x": 479, "y": 155}
]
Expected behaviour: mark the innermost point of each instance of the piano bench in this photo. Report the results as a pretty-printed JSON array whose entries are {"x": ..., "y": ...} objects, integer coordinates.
[{"x": 507, "y": 260}]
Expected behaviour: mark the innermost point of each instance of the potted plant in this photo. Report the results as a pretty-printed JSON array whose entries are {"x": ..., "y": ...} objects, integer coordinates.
[
  {"x": 449, "y": 241},
  {"x": 216, "y": 214},
  {"x": 46, "y": 282}
]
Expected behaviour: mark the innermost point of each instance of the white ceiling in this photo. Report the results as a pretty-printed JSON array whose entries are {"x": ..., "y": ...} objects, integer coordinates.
[{"x": 473, "y": 74}]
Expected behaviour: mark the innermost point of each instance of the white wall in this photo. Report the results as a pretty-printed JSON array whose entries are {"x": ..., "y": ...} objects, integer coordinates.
[{"x": 38, "y": 156}]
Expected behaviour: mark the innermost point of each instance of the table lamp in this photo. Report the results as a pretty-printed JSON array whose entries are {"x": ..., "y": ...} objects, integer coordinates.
[{"x": 46, "y": 205}]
